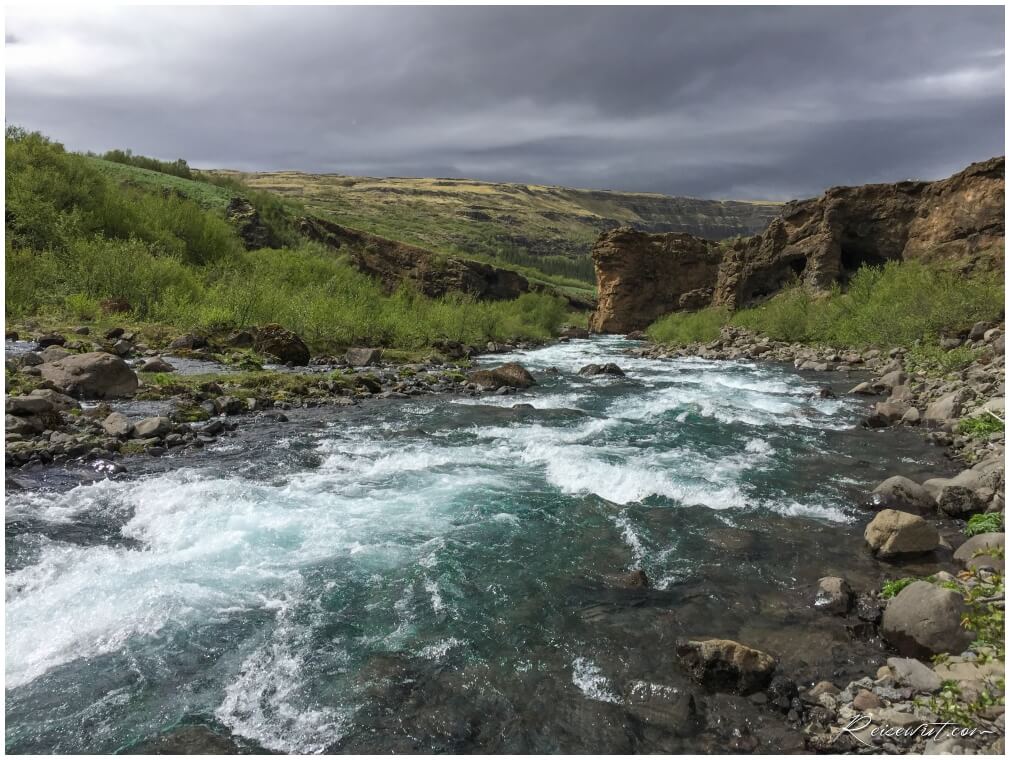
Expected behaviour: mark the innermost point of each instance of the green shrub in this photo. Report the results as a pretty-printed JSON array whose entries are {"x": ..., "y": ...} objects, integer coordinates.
[
  {"x": 990, "y": 522},
  {"x": 682, "y": 327},
  {"x": 892, "y": 588},
  {"x": 82, "y": 306}
]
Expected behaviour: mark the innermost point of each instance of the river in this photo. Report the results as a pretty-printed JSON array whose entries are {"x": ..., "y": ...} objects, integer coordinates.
[{"x": 437, "y": 574}]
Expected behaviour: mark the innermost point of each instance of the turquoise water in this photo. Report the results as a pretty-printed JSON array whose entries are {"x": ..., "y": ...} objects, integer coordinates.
[{"x": 435, "y": 574}]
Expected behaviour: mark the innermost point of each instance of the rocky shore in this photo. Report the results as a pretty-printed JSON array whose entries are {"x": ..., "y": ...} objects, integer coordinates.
[{"x": 944, "y": 691}]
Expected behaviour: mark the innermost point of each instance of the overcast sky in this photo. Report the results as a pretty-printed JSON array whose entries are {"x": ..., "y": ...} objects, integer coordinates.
[{"x": 738, "y": 102}]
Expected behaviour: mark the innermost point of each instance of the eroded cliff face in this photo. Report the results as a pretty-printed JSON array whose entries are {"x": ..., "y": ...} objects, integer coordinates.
[
  {"x": 821, "y": 241},
  {"x": 393, "y": 262}
]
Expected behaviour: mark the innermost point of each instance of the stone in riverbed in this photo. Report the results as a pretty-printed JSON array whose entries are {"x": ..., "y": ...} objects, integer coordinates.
[
  {"x": 959, "y": 501},
  {"x": 363, "y": 357},
  {"x": 54, "y": 353},
  {"x": 118, "y": 425},
  {"x": 981, "y": 551},
  {"x": 25, "y": 406},
  {"x": 188, "y": 342},
  {"x": 156, "y": 364},
  {"x": 92, "y": 375},
  {"x": 591, "y": 370},
  {"x": 944, "y": 408},
  {"x": 60, "y": 401},
  {"x": 900, "y": 493},
  {"x": 923, "y": 620},
  {"x": 511, "y": 375},
  {"x": 284, "y": 344},
  {"x": 894, "y": 534},
  {"x": 50, "y": 339},
  {"x": 912, "y": 673},
  {"x": 725, "y": 665},
  {"x": 152, "y": 427},
  {"x": 667, "y": 707},
  {"x": 834, "y": 595}
]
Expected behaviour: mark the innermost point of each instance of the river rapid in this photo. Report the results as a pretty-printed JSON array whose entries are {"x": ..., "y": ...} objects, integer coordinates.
[{"x": 437, "y": 574}]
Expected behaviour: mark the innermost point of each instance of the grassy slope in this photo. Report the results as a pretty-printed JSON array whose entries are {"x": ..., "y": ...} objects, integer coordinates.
[{"x": 503, "y": 221}]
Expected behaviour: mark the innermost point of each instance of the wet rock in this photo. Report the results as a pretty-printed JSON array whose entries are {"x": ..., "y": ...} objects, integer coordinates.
[
  {"x": 923, "y": 620},
  {"x": 575, "y": 332},
  {"x": 887, "y": 413},
  {"x": 284, "y": 344},
  {"x": 152, "y": 427},
  {"x": 833, "y": 595},
  {"x": 188, "y": 342},
  {"x": 25, "y": 406},
  {"x": 510, "y": 375},
  {"x": 725, "y": 665},
  {"x": 186, "y": 740},
  {"x": 912, "y": 417},
  {"x": 50, "y": 339},
  {"x": 863, "y": 389},
  {"x": 904, "y": 495},
  {"x": 959, "y": 501},
  {"x": 92, "y": 375},
  {"x": 156, "y": 364},
  {"x": 591, "y": 370},
  {"x": 915, "y": 675},
  {"x": 117, "y": 425},
  {"x": 667, "y": 707},
  {"x": 363, "y": 357},
  {"x": 980, "y": 551},
  {"x": 894, "y": 534},
  {"x": 869, "y": 608},
  {"x": 229, "y": 405},
  {"x": 631, "y": 579}
]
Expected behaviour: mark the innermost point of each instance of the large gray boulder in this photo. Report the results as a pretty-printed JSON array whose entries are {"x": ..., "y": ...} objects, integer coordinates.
[
  {"x": 981, "y": 551},
  {"x": 959, "y": 501},
  {"x": 944, "y": 408},
  {"x": 94, "y": 375},
  {"x": 892, "y": 534},
  {"x": 152, "y": 427},
  {"x": 511, "y": 375},
  {"x": 117, "y": 425},
  {"x": 363, "y": 357},
  {"x": 914, "y": 674},
  {"x": 902, "y": 494},
  {"x": 284, "y": 344},
  {"x": 725, "y": 665},
  {"x": 26, "y": 406},
  {"x": 923, "y": 620}
]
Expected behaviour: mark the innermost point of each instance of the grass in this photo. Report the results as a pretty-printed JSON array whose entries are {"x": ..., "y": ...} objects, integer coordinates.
[
  {"x": 891, "y": 589},
  {"x": 990, "y": 522},
  {"x": 898, "y": 304},
  {"x": 77, "y": 237},
  {"x": 549, "y": 229},
  {"x": 981, "y": 426}
]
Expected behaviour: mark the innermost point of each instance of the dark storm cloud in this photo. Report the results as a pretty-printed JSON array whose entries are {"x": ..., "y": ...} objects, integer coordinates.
[{"x": 717, "y": 102}]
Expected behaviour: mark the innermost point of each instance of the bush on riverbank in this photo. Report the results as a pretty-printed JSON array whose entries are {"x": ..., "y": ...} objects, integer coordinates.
[
  {"x": 76, "y": 239},
  {"x": 893, "y": 305}
]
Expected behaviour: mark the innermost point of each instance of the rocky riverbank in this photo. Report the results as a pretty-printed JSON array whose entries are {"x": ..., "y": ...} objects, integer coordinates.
[
  {"x": 945, "y": 693},
  {"x": 76, "y": 396}
]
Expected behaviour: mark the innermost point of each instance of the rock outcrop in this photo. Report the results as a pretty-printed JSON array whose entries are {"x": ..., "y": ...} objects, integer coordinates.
[
  {"x": 95, "y": 375},
  {"x": 392, "y": 263},
  {"x": 820, "y": 242}
]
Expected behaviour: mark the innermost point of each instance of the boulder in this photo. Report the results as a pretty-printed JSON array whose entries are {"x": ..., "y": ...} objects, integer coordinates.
[
  {"x": 904, "y": 495},
  {"x": 23, "y": 425},
  {"x": 911, "y": 417},
  {"x": 834, "y": 595},
  {"x": 668, "y": 708},
  {"x": 54, "y": 353},
  {"x": 725, "y": 665},
  {"x": 914, "y": 674},
  {"x": 156, "y": 364},
  {"x": 363, "y": 357},
  {"x": 95, "y": 375},
  {"x": 923, "y": 620},
  {"x": 152, "y": 427},
  {"x": 891, "y": 380},
  {"x": 863, "y": 389},
  {"x": 511, "y": 375},
  {"x": 591, "y": 370},
  {"x": 50, "y": 339},
  {"x": 944, "y": 408},
  {"x": 122, "y": 347},
  {"x": 959, "y": 501},
  {"x": 894, "y": 534},
  {"x": 575, "y": 332},
  {"x": 888, "y": 412},
  {"x": 188, "y": 342},
  {"x": 117, "y": 425},
  {"x": 978, "y": 330},
  {"x": 284, "y": 344},
  {"x": 980, "y": 551},
  {"x": 242, "y": 339},
  {"x": 60, "y": 401},
  {"x": 27, "y": 406}
]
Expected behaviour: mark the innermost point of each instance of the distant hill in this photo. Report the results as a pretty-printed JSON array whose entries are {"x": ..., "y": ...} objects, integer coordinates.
[{"x": 550, "y": 228}]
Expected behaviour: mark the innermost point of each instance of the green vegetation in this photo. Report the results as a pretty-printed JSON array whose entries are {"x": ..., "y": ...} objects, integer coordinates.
[
  {"x": 985, "y": 615},
  {"x": 527, "y": 227},
  {"x": 892, "y": 588},
  {"x": 981, "y": 426},
  {"x": 177, "y": 168},
  {"x": 990, "y": 522},
  {"x": 77, "y": 238},
  {"x": 897, "y": 304},
  {"x": 949, "y": 703}
]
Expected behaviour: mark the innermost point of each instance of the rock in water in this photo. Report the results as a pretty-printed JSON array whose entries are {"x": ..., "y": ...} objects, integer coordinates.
[
  {"x": 511, "y": 375},
  {"x": 591, "y": 370},
  {"x": 363, "y": 357},
  {"x": 118, "y": 425},
  {"x": 95, "y": 375},
  {"x": 834, "y": 595},
  {"x": 152, "y": 427},
  {"x": 904, "y": 495},
  {"x": 284, "y": 344},
  {"x": 923, "y": 620},
  {"x": 156, "y": 364},
  {"x": 894, "y": 534},
  {"x": 725, "y": 665}
]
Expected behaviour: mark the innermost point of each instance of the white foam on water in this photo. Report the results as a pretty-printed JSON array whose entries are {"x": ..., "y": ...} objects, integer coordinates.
[
  {"x": 589, "y": 679},
  {"x": 631, "y": 538},
  {"x": 440, "y": 649}
]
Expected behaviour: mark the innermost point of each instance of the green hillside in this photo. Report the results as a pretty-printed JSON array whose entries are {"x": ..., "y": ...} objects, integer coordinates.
[{"x": 550, "y": 228}]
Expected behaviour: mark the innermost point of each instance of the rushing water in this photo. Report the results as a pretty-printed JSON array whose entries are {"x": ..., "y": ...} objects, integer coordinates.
[{"x": 436, "y": 574}]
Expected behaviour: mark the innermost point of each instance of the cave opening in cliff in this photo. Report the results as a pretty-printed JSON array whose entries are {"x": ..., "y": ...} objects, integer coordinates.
[{"x": 854, "y": 256}]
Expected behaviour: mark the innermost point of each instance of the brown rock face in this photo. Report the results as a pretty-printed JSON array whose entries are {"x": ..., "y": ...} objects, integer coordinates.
[
  {"x": 820, "y": 241},
  {"x": 393, "y": 262},
  {"x": 641, "y": 276}
]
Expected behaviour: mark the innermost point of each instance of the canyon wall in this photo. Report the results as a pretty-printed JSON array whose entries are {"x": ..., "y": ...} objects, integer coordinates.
[{"x": 958, "y": 221}]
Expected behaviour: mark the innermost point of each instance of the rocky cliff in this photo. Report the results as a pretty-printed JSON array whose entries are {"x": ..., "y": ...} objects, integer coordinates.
[
  {"x": 821, "y": 241},
  {"x": 392, "y": 263}
]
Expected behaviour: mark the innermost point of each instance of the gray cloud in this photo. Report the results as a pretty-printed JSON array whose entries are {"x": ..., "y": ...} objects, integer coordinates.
[{"x": 713, "y": 102}]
